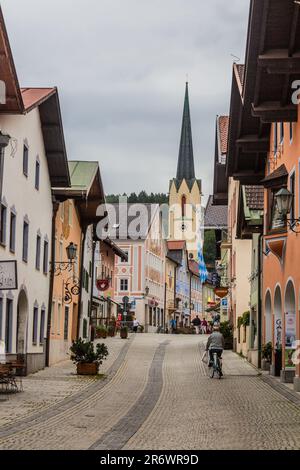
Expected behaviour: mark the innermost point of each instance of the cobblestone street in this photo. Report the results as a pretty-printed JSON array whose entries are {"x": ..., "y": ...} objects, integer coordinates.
[{"x": 155, "y": 395}]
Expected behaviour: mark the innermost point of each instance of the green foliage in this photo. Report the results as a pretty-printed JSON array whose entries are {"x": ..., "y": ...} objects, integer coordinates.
[
  {"x": 267, "y": 351},
  {"x": 101, "y": 328},
  {"x": 209, "y": 249},
  {"x": 244, "y": 320},
  {"x": 226, "y": 329},
  {"x": 142, "y": 198},
  {"x": 84, "y": 352}
]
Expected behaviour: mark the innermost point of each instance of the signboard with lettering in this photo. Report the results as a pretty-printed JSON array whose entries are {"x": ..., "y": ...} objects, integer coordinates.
[{"x": 8, "y": 275}]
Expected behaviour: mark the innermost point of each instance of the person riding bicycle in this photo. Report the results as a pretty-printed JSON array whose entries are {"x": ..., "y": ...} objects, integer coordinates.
[{"x": 215, "y": 344}]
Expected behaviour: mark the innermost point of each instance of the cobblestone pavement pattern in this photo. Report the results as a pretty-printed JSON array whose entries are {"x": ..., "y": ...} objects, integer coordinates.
[{"x": 156, "y": 395}]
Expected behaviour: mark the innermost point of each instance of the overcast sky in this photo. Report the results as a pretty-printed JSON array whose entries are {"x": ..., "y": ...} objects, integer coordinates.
[{"x": 121, "y": 67}]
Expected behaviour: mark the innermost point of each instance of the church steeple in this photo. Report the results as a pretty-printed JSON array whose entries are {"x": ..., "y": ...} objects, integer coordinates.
[{"x": 186, "y": 166}]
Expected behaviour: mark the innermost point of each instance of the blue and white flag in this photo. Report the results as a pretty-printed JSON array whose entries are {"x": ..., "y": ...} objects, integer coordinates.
[{"x": 202, "y": 266}]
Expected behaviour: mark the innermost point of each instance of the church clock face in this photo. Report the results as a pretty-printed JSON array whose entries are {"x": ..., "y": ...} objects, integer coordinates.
[{"x": 183, "y": 227}]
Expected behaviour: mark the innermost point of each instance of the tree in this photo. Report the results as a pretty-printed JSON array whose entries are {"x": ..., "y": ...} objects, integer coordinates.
[{"x": 209, "y": 249}]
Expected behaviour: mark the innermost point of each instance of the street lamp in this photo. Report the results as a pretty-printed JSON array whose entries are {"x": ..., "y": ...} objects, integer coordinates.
[
  {"x": 59, "y": 266},
  {"x": 284, "y": 202},
  {"x": 71, "y": 252}
]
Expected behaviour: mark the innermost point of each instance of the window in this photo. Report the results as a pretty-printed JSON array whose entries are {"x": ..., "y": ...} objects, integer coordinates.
[
  {"x": 46, "y": 254},
  {"x": 291, "y": 132},
  {"x": 70, "y": 213},
  {"x": 66, "y": 324},
  {"x": 25, "y": 241},
  {"x": 124, "y": 285},
  {"x": 281, "y": 132},
  {"x": 123, "y": 261},
  {"x": 12, "y": 233},
  {"x": 86, "y": 280},
  {"x": 276, "y": 221},
  {"x": 58, "y": 318},
  {"x": 38, "y": 253},
  {"x": 3, "y": 225},
  {"x": 275, "y": 138},
  {"x": 42, "y": 326},
  {"x": 84, "y": 328},
  {"x": 293, "y": 190},
  {"x": 35, "y": 325},
  {"x": 1, "y": 317},
  {"x": 25, "y": 160},
  {"x": 37, "y": 175},
  {"x": 150, "y": 317},
  {"x": 183, "y": 206},
  {"x": 53, "y": 318},
  {"x": 61, "y": 250},
  {"x": 62, "y": 211},
  {"x": 8, "y": 326}
]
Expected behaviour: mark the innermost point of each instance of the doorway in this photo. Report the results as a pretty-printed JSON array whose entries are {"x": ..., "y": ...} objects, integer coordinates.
[{"x": 22, "y": 319}]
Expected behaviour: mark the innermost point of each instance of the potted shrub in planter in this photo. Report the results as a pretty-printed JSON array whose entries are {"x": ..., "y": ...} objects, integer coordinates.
[
  {"x": 267, "y": 352},
  {"x": 124, "y": 332},
  {"x": 101, "y": 332},
  {"x": 87, "y": 359},
  {"x": 111, "y": 331}
]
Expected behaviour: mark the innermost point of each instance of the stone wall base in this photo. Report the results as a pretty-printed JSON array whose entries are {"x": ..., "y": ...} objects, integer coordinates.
[
  {"x": 287, "y": 376},
  {"x": 35, "y": 362},
  {"x": 265, "y": 365},
  {"x": 253, "y": 356},
  {"x": 297, "y": 384}
]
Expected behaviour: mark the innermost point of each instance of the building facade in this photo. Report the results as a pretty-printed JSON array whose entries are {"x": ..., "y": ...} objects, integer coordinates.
[{"x": 141, "y": 278}]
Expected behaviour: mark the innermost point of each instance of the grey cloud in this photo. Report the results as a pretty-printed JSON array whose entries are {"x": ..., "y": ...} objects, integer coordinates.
[{"x": 120, "y": 66}]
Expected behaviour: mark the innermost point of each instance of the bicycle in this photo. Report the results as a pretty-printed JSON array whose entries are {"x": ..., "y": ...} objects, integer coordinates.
[{"x": 217, "y": 365}]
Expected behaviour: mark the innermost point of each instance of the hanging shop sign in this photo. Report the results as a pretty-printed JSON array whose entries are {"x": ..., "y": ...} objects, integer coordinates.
[
  {"x": 8, "y": 275},
  {"x": 221, "y": 292},
  {"x": 102, "y": 285}
]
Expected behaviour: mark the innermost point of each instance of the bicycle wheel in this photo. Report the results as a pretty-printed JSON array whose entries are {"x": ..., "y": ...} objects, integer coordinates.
[{"x": 212, "y": 373}]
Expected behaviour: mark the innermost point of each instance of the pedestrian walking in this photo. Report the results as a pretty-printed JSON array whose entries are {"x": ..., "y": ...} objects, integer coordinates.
[
  {"x": 197, "y": 324},
  {"x": 136, "y": 325},
  {"x": 173, "y": 325},
  {"x": 204, "y": 327}
]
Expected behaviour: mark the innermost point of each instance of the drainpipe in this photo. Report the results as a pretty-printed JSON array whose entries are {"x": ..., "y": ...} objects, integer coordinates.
[
  {"x": 191, "y": 277},
  {"x": 4, "y": 141},
  {"x": 175, "y": 291},
  {"x": 259, "y": 306},
  {"x": 93, "y": 271},
  {"x": 55, "y": 205},
  {"x": 165, "y": 306},
  {"x": 81, "y": 279}
]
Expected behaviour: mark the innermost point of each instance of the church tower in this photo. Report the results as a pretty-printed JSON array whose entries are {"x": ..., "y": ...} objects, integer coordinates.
[{"x": 185, "y": 190}]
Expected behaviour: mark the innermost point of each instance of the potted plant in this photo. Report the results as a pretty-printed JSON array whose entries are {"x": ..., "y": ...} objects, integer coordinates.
[
  {"x": 111, "y": 331},
  {"x": 267, "y": 352},
  {"x": 87, "y": 359},
  {"x": 124, "y": 332},
  {"x": 101, "y": 332}
]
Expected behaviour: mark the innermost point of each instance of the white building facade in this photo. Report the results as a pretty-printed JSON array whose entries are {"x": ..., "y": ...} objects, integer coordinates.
[{"x": 26, "y": 228}]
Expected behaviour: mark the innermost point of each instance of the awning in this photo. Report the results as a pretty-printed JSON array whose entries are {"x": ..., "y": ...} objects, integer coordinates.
[{"x": 278, "y": 178}]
